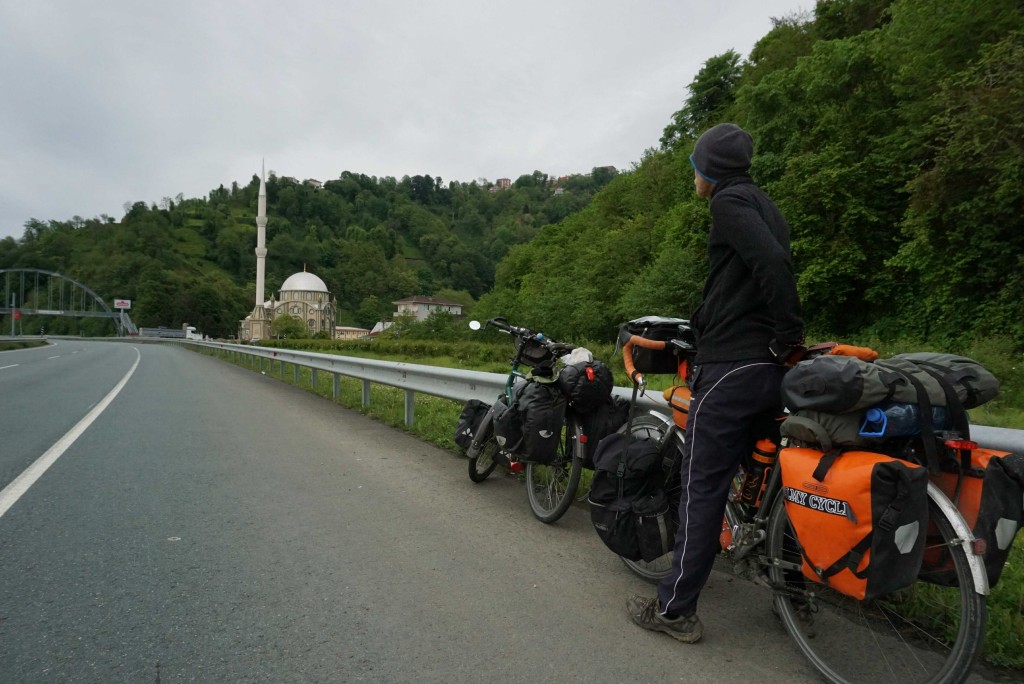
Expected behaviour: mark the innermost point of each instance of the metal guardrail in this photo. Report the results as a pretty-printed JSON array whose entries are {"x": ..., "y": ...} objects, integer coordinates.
[
  {"x": 449, "y": 383},
  {"x": 461, "y": 385}
]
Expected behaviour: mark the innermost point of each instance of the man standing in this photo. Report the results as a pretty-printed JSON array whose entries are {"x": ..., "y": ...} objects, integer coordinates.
[{"x": 748, "y": 327}]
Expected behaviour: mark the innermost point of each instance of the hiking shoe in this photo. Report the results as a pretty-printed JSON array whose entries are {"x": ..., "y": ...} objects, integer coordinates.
[{"x": 644, "y": 612}]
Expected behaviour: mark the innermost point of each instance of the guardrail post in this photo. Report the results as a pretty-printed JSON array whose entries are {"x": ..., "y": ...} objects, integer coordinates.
[
  {"x": 366, "y": 393},
  {"x": 282, "y": 368},
  {"x": 410, "y": 406},
  {"x": 313, "y": 380},
  {"x": 296, "y": 374},
  {"x": 337, "y": 386}
]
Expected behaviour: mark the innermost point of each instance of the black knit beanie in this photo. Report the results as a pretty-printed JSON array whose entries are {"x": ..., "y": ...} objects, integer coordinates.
[{"x": 721, "y": 151}]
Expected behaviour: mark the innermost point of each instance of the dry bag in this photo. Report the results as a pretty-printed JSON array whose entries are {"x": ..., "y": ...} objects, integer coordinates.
[
  {"x": 990, "y": 495},
  {"x": 860, "y": 518}
]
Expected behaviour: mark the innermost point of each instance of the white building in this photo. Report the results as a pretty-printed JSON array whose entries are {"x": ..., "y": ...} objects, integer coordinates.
[
  {"x": 302, "y": 295},
  {"x": 420, "y": 307}
]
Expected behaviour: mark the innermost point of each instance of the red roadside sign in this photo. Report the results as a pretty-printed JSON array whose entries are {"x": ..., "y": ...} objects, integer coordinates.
[{"x": 17, "y": 315}]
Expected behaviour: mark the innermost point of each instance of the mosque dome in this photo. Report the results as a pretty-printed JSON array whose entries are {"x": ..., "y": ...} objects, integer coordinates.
[{"x": 303, "y": 282}]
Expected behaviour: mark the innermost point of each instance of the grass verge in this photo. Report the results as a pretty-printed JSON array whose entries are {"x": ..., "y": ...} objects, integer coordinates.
[{"x": 10, "y": 345}]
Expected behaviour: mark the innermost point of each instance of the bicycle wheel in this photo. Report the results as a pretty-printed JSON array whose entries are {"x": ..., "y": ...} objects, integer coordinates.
[
  {"x": 925, "y": 633},
  {"x": 650, "y": 427},
  {"x": 484, "y": 463},
  {"x": 551, "y": 488}
]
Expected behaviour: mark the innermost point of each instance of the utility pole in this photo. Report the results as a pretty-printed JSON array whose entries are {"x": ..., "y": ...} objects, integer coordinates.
[{"x": 12, "y": 314}]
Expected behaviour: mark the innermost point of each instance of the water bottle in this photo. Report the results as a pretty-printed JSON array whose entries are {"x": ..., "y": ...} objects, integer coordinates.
[
  {"x": 763, "y": 459},
  {"x": 894, "y": 419}
]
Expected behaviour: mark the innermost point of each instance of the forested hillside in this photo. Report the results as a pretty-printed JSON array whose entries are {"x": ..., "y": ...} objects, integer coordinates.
[
  {"x": 372, "y": 241},
  {"x": 890, "y": 133}
]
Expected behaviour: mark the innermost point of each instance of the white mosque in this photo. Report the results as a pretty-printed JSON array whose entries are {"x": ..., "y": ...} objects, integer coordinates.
[{"x": 303, "y": 295}]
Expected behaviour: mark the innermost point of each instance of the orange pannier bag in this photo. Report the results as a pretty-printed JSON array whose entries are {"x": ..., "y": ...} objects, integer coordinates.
[
  {"x": 990, "y": 496},
  {"x": 860, "y": 518}
]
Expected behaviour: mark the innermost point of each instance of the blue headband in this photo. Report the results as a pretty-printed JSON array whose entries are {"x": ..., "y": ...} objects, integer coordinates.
[{"x": 709, "y": 180}]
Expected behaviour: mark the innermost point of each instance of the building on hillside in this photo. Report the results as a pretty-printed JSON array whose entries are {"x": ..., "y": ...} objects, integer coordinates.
[
  {"x": 343, "y": 333},
  {"x": 302, "y": 295},
  {"x": 420, "y": 307},
  {"x": 503, "y": 183}
]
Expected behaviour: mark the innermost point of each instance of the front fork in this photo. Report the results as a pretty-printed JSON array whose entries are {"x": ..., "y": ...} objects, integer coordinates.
[{"x": 482, "y": 434}]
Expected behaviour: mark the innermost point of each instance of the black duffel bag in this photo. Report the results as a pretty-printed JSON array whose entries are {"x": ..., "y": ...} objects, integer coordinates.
[
  {"x": 628, "y": 505},
  {"x": 586, "y": 384},
  {"x": 603, "y": 420}
]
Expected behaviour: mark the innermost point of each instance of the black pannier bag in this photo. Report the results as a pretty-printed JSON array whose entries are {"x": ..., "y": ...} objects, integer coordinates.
[
  {"x": 628, "y": 505},
  {"x": 541, "y": 410},
  {"x": 508, "y": 427},
  {"x": 602, "y": 421},
  {"x": 657, "y": 328},
  {"x": 472, "y": 413},
  {"x": 586, "y": 384}
]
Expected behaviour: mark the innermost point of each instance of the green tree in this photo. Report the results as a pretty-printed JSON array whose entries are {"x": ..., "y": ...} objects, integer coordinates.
[
  {"x": 965, "y": 237},
  {"x": 711, "y": 93},
  {"x": 289, "y": 327}
]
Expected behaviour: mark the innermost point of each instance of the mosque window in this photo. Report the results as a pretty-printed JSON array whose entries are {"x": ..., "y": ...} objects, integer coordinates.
[{"x": 311, "y": 323}]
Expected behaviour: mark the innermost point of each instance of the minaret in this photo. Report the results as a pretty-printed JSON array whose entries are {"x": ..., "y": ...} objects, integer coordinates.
[{"x": 261, "y": 236}]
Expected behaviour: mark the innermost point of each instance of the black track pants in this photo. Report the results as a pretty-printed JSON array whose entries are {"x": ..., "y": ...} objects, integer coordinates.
[{"x": 729, "y": 400}]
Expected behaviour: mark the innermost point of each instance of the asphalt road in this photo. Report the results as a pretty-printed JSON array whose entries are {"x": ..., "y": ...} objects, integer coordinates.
[{"x": 216, "y": 525}]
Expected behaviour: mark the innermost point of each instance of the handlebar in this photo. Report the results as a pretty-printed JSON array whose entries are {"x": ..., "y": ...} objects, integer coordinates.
[
  {"x": 503, "y": 325},
  {"x": 627, "y": 355},
  {"x": 825, "y": 348}
]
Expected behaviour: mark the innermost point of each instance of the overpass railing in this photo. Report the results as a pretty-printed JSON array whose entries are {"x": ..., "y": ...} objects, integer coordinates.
[{"x": 454, "y": 383}]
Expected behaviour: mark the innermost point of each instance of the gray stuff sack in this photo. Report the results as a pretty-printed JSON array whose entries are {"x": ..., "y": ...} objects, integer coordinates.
[{"x": 841, "y": 384}]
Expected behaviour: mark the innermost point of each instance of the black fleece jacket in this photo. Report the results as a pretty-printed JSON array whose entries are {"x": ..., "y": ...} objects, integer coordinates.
[{"x": 750, "y": 295}]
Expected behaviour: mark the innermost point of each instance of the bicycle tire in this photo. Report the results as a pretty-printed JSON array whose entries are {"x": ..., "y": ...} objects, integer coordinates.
[
  {"x": 650, "y": 427},
  {"x": 925, "y": 633},
  {"x": 551, "y": 488},
  {"x": 484, "y": 463}
]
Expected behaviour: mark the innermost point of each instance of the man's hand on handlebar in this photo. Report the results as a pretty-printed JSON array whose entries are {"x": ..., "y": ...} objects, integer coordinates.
[{"x": 787, "y": 353}]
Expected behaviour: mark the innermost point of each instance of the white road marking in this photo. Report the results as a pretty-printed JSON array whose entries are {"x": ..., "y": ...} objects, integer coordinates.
[
  {"x": 11, "y": 366},
  {"x": 14, "y": 491},
  {"x": 53, "y": 357}
]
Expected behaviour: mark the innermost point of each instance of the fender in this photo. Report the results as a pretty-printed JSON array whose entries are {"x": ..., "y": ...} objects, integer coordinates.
[
  {"x": 964, "y": 534},
  {"x": 672, "y": 431}
]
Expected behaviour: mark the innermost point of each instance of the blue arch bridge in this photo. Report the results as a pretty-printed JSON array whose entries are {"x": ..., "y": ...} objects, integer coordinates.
[{"x": 35, "y": 292}]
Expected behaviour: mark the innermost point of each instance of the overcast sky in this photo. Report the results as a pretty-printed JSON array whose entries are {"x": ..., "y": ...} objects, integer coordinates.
[{"x": 103, "y": 103}]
